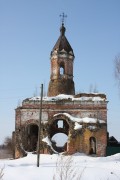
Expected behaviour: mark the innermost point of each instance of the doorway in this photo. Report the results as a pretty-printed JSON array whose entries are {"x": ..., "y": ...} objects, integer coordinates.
[{"x": 32, "y": 137}]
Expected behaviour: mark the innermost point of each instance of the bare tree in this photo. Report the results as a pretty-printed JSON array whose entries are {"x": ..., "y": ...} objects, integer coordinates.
[
  {"x": 93, "y": 88},
  {"x": 7, "y": 148},
  {"x": 8, "y": 143},
  {"x": 117, "y": 69}
]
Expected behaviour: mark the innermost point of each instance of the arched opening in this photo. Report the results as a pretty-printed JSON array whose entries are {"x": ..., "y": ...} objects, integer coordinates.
[
  {"x": 62, "y": 69},
  {"x": 31, "y": 137},
  {"x": 92, "y": 145},
  {"x": 59, "y": 130}
]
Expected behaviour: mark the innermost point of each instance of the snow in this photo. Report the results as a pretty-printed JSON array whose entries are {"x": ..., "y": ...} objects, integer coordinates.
[
  {"x": 81, "y": 120},
  {"x": 54, "y": 98},
  {"x": 71, "y": 97},
  {"x": 91, "y": 127},
  {"x": 77, "y": 166},
  {"x": 49, "y": 143},
  {"x": 47, "y": 140},
  {"x": 77, "y": 126}
]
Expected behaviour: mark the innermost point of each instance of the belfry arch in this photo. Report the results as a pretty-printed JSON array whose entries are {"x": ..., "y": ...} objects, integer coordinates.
[{"x": 62, "y": 69}]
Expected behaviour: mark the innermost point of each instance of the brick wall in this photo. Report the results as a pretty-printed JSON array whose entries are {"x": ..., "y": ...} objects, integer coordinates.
[{"x": 79, "y": 141}]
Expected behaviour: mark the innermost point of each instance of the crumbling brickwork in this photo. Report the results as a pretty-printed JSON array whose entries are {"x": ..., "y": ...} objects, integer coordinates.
[
  {"x": 54, "y": 110},
  {"x": 81, "y": 118}
]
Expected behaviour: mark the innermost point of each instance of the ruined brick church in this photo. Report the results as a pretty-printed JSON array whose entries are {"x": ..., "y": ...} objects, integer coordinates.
[{"x": 70, "y": 122}]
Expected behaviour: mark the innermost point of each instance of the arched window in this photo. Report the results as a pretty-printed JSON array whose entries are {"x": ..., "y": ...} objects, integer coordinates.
[
  {"x": 62, "y": 70},
  {"x": 92, "y": 142},
  {"x": 60, "y": 123}
]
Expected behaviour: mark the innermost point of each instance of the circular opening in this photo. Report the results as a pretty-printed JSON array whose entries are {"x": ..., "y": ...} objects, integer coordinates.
[
  {"x": 60, "y": 139},
  {"x": 59, "y": 142}
]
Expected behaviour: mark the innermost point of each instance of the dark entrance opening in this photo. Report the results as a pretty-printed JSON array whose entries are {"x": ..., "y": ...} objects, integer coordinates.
[
  {"x": 92, "y": 145},
  {"x": 32, "y": 137}
]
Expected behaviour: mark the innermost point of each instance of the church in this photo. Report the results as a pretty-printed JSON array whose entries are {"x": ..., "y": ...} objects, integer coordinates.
[{"x": 70, "y": 122}]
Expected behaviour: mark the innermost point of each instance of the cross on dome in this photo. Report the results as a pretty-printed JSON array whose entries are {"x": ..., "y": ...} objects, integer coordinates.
[{"x": 63, "y": 16}]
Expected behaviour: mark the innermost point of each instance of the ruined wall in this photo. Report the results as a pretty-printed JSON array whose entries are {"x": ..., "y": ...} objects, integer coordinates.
[
  {"x": 79, "y": 140},
  {"x": 30, "y": 111}
]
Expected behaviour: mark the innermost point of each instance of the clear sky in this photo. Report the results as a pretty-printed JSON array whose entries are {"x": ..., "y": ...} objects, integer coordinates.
[{"x": 28, "y": 32}]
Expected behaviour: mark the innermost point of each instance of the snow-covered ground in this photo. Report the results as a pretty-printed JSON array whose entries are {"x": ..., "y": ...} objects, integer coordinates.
[{"x": 59, "y": 167}]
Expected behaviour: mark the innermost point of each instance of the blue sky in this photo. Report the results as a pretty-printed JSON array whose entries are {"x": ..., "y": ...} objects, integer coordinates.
[{"x": 28, "y": 32}]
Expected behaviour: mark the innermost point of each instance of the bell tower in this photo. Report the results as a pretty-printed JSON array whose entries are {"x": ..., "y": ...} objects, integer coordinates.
[{"x": 62, "y": 58}]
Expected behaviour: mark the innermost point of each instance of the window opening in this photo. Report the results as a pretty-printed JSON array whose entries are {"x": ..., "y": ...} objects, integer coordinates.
[
  {"x": 61, "y": 70},
  {"x": 60, "y": 124},
  {"x": 92, "y": 145}
]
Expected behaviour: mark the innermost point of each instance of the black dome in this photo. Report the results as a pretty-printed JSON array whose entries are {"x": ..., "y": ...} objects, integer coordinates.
[{"x": 62, "y": 42}]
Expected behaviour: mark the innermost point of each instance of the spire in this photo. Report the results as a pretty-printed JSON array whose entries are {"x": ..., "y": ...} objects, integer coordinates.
[{"x": 62, "y": 42}]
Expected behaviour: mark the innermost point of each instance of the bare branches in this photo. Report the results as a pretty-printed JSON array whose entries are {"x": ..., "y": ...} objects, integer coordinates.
[
  {"x": 65, "y": 169},
  {"x": 6, "y": 149},
  {"x": 93, "y": 88}
]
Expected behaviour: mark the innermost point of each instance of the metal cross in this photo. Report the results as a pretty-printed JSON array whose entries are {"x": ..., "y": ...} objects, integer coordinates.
[{"x": 63, "y": 16}]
